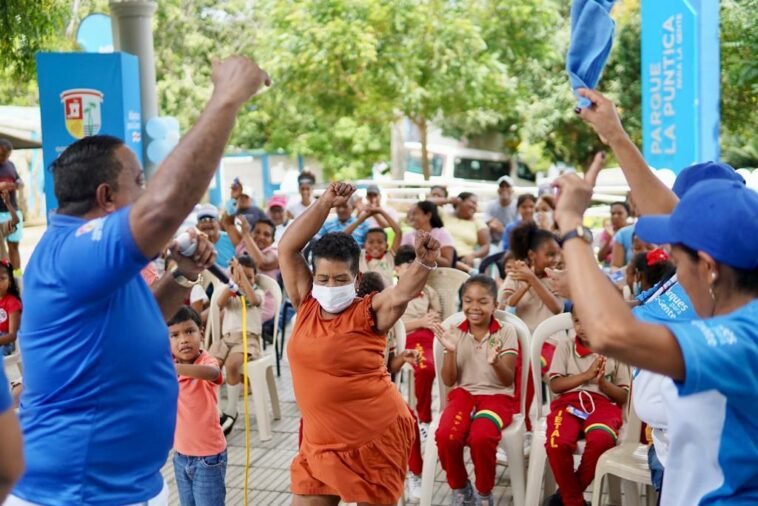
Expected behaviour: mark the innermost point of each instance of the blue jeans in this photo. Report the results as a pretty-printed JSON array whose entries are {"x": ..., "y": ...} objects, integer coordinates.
[
  {"x": 656, "y": 469},
  {"x": 200, "y": 480}
]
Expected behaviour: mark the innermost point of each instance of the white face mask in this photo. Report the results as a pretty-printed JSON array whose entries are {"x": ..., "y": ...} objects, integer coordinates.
[{"x": 334, "y": 299}]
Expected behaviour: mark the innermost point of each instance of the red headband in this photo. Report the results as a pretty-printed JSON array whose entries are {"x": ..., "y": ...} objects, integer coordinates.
[{"x": 656, "y": 256}]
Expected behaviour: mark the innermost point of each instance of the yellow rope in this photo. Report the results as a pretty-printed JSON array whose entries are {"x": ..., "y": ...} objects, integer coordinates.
[{"x": 245, "y": 386}]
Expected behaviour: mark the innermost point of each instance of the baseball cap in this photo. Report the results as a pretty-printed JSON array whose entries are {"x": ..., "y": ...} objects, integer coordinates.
[
  {"x": 714, "y": 216},
  {"x": 207, "y": 211},
  {"x": 372, "y": 188},
  {"x": 710, "y": 171},
  {"x": 505, "y": 179},
  {"x": 277, "y": 201}
]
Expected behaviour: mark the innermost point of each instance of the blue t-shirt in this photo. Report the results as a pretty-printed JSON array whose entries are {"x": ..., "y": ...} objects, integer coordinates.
[
  {"x": 507, "y": 233},
  {"x": 5, "y": 395},
  {"x": 98, "y": 409},
  {"x": 335, "y": 225},
  {"x": 624, "y": 238},
  {"x": 720, "y": 357},
  {"x": 224, "y": 250},
  {"x": 672, "y": 304}
]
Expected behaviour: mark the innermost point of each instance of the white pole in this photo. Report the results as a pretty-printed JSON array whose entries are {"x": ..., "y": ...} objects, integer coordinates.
[{"x": 133, "y": 33}]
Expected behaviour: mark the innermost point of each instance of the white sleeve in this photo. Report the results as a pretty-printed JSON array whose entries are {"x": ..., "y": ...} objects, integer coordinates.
[{"x": 198, "y": 294}]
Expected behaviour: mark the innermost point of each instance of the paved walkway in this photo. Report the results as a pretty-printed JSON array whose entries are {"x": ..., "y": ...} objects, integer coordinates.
[{"x": 269, "y": 461}]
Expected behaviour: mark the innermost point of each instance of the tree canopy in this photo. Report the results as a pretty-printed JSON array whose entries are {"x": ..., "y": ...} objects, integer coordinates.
[{"x": 344, "y": 70}]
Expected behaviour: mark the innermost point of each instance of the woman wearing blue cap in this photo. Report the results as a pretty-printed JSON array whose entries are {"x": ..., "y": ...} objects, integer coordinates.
[{"x": 714, "y": 237}]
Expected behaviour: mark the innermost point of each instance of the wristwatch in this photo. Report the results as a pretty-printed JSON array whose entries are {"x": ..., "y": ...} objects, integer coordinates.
[
  {"x": 183, "y": 281},
  {"x": 583, "y": 233}
]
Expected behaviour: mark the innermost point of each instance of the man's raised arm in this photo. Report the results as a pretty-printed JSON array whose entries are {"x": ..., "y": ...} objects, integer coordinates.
[{"x": 185, "y": 175}]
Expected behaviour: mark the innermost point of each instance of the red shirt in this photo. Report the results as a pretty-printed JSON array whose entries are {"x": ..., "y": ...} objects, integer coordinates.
[
  {"x": 198, "y": 431},
  {"x": 8, "y": 305}
]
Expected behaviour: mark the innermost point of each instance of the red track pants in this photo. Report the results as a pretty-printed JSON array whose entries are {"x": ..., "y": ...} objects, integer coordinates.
[
  {"x": 422, "y": 340},
  {"x": 476, "y": 421},
  {"x": 600, "y": 430}
]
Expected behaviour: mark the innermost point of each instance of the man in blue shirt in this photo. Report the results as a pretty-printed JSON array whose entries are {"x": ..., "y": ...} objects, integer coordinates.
[
  {"x": 98, "y": 407},
  {"x": 343, "y": 220}
]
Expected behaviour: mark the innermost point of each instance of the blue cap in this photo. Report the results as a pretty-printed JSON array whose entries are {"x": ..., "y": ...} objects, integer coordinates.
[
  {"x": 693, "y": 174},
  {"x": 717, "y": 217}
]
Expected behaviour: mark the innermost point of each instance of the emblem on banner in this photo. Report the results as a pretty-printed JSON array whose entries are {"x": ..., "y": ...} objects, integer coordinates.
[{"x": 81, "y": 108}]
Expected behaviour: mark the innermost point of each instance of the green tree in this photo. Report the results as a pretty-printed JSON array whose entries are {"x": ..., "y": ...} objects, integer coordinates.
[{"x": 26, "y": 27}]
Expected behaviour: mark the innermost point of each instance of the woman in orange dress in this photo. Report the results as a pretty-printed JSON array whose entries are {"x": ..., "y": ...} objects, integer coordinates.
[{"x": 357, "y": 431}]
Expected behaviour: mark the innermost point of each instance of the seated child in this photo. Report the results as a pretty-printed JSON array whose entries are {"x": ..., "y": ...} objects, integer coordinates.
[
  {"x": 480, "y": 361},
  {"x": 10, "y": 309},
  {"x": 258, "y": 243},
  {"x": 420, "y": 317},
  {"x": 647, "y": 269},
  {"x": 228, "y": 351},
  {"x": 374, "y": 282},
  {"x": 591, "y": 390},
  {"x": 199, "y": 444},
  {"x": 377, "y": 255}
]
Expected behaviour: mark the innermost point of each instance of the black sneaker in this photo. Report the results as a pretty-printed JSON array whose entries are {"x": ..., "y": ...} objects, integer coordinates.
[
  {"x": 553, "y": 500},
  {"x": 227, "y": 422}
]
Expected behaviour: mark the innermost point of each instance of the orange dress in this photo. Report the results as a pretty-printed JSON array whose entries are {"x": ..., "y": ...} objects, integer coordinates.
[{"x": 357, "y": 431}]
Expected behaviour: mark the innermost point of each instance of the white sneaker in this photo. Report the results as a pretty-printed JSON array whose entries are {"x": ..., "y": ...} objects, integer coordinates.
[
  {"x": 412, "y": 488},
  {"x": 501, "y": 457}
]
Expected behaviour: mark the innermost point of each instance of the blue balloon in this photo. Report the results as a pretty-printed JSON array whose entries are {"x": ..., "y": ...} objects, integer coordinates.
[
  {"x": 157, "y": 128},
  {"x": 172, "y": 124},
  {"x": 157, "y": 150}
]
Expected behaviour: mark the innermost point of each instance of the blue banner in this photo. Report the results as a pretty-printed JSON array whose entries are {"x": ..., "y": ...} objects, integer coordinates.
[
  {"x": 680, "y": 82},
  {"x": 83, "y": 94}
]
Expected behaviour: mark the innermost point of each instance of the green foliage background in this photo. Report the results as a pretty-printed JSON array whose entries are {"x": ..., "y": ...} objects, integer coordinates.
[{"x": 344, "y": 70}]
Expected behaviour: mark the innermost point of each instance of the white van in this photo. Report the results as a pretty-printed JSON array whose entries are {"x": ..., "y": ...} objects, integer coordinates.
[{"x": 452, "y": 166}]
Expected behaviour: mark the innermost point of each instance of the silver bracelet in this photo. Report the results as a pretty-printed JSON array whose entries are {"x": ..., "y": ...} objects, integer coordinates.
[{"x": 431, "y": 268}]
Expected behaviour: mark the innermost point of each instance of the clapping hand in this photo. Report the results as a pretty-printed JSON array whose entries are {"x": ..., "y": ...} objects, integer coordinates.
[
  {"x": 410, "y": 356},
  {"x": 447, "y": 338},
  {"x": 430, "y": 319},
  {"x": 494, "y": 349},
  {"x": 596, "y": 371},
  {"x": 522, "y": 272}
]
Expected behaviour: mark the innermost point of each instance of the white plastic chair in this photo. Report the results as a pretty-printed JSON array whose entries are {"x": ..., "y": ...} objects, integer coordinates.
[
  {"x": 627, "y": 461},
  {"x": 513, "y": 435},
  {"x": 538, "y": 468},
  {"x": 447, "y": 282},
  {"x": 259, "y": 371},
  {"x": 538, "y": 455}
]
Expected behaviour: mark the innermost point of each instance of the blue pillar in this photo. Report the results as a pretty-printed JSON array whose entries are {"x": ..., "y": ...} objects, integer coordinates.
[{"x": 680, "y": 82}]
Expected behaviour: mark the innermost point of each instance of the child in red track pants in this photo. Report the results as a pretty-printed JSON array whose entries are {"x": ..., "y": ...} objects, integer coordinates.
[
  {"x": 421, "y": 314},
  {"x": 476, "y": 421},
  {"x": 480, "y": 356},
  {"x": 591, "y": 389},
  {"x": 422, "y": 341}
]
